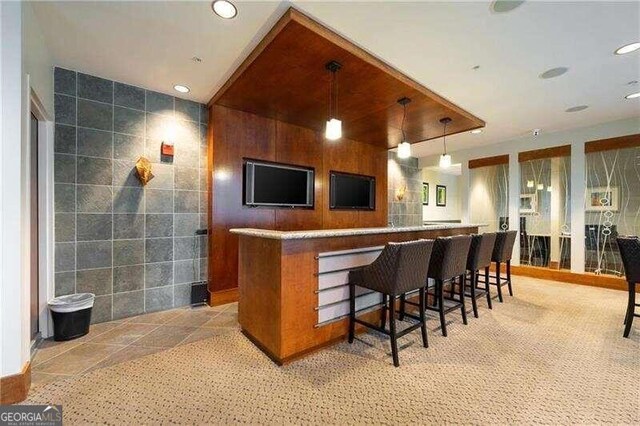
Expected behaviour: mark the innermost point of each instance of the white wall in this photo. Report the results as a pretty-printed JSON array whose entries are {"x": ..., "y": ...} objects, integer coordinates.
[
  {"x": 576, "y": 138},
  {"x": 37, "y": 60},
  {"x": 14, "y": 303},
  {"x": 452, "y": 210}
]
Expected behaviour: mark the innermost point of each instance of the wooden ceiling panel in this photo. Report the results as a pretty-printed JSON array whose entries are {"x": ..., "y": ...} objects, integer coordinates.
[{"x": 285, "y": 78}]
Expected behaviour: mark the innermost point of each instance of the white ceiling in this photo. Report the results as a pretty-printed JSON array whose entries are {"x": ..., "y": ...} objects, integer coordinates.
[{"x": 151, "y": 44}]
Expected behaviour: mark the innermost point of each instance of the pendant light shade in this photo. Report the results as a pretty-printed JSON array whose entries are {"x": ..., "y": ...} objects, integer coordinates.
[
  {"x": 445, "y": 159},
  {"x": 404, "y": 150},
  {"x": 540, "y": 187},
  {"x": 529, "y": 184},
  {"x": 333, "y": 128},
  {"x": 404, "y": 147}
]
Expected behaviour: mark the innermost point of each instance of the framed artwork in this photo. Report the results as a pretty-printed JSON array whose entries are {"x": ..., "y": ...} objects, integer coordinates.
[
  {"x": 528, "y": 203},
  {"x": 602, "y": 198},
  {"x": 425, "y": 194},
  {"x": 441, "y": 195}
]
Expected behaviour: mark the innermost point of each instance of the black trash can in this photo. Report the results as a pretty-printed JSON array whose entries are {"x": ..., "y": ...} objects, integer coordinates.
[{"x": 71, "y": 315}]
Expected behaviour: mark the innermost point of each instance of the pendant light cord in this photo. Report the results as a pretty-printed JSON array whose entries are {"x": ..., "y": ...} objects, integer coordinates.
[
  {"x": 444, "y": 138},
  {"x": 404, "y": 115}
]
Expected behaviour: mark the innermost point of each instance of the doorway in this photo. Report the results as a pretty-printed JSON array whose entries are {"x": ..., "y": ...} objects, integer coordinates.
[{"x": 34, "y": 233}]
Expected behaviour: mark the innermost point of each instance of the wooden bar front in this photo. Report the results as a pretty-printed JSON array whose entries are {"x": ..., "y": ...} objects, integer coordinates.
[{"x": 278, "y": 279}]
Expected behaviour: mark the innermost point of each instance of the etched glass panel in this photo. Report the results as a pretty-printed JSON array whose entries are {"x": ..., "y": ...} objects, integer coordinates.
[
  {"x": 612, "y": 206},
  {"x": 489, "y": 197},
  {"x": 545, "y": 212}
]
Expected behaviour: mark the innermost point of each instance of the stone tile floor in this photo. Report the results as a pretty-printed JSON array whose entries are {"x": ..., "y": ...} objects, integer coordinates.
[{"x": 123, "y": 340}]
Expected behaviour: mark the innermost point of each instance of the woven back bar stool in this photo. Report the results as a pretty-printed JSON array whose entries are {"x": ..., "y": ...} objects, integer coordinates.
[
  {"x": 502, "y": 252},
  {"x": 400, "y": 268},
  {"x": 479, "y": 259},
  {"x": 630, "y": 253},
  {"x": 448, "y": 263}
]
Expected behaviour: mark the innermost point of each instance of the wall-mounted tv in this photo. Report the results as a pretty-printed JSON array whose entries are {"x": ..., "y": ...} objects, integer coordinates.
[
  {"x": 277, "y": 185},
  {"x": 352, "y": 192}
]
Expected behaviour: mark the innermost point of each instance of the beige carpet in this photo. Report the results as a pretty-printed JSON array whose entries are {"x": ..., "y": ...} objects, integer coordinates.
[{"x": 553, "y": 354}]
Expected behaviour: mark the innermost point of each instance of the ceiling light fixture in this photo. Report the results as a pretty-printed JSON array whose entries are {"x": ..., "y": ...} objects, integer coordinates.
[
  {"x": 553, "y": 73},
  {"x": 404, "y": 148},
  {"x": 445, "y": 159},
  {"x": 224, "y": 9},
  {"x": 628, "y": 48},
  {"x": 333, "y": 129},
  {"x": 503, "y": 6},
  {"x": 577, "y": 108},
  {"x": 181, "y": 88},
  {"x": 476, "y": 131},
  {"x": 633, "y": 95}
]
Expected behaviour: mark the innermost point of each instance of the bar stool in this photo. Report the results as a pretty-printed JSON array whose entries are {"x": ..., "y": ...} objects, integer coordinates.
[
  {"x": 448, "y": 263},
  {"x": 480, "y": 252},
  {"x": 502, "y": 252},
  {"x": 400, "y": 268},
  {"x": 630, "y": 253}
]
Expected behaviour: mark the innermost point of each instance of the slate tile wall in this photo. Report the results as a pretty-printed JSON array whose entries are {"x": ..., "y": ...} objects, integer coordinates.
[
  {"x": 404, "y": 173},
  {"x": 134, "y": 247}
]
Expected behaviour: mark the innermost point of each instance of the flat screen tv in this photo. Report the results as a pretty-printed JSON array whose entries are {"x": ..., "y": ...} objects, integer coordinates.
[
  {"x": 277, "y": 185},
  {"x": 352, "y": 192}
]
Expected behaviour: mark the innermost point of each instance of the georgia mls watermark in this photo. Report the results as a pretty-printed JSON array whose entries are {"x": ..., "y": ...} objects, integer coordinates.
[{"x": 30, "y": 415}]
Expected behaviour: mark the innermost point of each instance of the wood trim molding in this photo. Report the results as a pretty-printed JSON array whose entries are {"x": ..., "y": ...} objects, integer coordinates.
[
  {"x": 489, "y": 161},
  {"x": 602, "y": 281},
  {"x": 621, "y": 142},
  {"x": 15, "y": 388},
  {"x": 223, "y": 297},
  {"x": 538, "y": 154}
]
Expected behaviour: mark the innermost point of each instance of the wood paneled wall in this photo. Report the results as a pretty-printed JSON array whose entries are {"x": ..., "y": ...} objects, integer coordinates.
[{"x": 234, "y": 135}]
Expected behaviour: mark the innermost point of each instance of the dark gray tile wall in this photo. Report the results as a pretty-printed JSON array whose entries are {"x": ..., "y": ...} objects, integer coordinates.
[
  {"x": 131, "y": 246},
  {"x": 404, "y": 174}
]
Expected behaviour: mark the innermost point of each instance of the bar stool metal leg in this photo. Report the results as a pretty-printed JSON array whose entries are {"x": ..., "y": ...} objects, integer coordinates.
[
  {"x": 463, "y": 308},
  {"x": 393, "y": 335},
  {"x": 474, "y": 283},
  {"x": 423, "y": 317},
  {"x": 488, "y": 287},
  {"x": 509, "y": 277},
  {"x": 440, "y": 296},
  {"x": 383, "y": 314},
  {"x": 499, "y": 284},
  {"x": 352, "y": 311},
  {"x": 630, "y": 309}
]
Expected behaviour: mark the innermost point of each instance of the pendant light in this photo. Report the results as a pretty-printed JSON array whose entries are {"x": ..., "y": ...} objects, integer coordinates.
[
  {"x": 333, "y": 129},
  {"x": 404, "y": 148},
  {"x": 445, "y": 159}
]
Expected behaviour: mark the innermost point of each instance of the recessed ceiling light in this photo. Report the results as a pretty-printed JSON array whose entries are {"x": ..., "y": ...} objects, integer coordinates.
[
  {"x": 633, "y": 95},
  {"x": 554, "y": 72},
  {"x": 503, "y": 6},
  {"x": 476, "y": 131},
  {"x": 577, "y": 108},
  {"x": 628, "y": 48},
  {"x": 182, "y": 89},
  {"x": 224, "y": 9}
]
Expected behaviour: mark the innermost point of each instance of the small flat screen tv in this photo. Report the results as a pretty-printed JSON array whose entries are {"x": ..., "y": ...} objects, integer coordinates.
[
  {"x": 352, "y": 192},
  {"x": 277, "y": 185}
]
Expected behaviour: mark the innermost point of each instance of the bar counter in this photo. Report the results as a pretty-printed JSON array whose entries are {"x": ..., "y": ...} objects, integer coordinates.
[{"x": 292, "y": 285}]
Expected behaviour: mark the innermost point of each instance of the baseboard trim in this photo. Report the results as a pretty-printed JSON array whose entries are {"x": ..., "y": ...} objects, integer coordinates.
[
  {"x": 15, "y": 388},
  {"x": 593, "y": 280},
  {"x": 223, "y": 297}
]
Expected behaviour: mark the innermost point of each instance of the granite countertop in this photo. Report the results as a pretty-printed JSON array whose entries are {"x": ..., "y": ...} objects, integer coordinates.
[{"x": 325, "y": 233}]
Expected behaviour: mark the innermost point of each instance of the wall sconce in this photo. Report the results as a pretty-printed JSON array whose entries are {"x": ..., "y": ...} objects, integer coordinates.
[
  {"x": 143, "y": 170},
  {"x": 170, "y": 135},
  {"x": 400, "y": 192}
]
